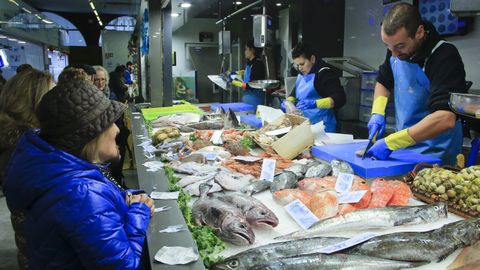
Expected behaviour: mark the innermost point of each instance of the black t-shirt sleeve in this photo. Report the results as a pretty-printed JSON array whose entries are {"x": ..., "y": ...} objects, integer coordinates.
[
  {"x": 446, "y": 73},
  {"x": 327, "y": 84},
  {"x": 385, "y": 74}
]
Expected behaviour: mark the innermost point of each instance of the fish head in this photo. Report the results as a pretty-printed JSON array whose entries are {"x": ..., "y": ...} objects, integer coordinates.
[
  {"x": 237, "y": 230},
  {"x": 230, "y": 263},
  {"x": 262, "y": 217},
  {"x": 431, "y": 213}
]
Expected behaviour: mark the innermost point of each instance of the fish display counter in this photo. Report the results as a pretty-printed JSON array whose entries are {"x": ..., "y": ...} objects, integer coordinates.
[{"x": 247, "y": 207}]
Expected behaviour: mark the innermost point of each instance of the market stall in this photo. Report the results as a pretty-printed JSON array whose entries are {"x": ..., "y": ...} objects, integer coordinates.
[{"x": 238, "y": 188}]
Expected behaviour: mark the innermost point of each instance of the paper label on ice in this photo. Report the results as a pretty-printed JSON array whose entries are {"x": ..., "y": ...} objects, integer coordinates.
[
  {"x": 278, "y": 131},
  {"x": 344, "y": 182},
  {"x": 217, "y": 137},
  {"x": 149, "y": 148},
  {"x": 268, "y": 169},
  {"x": 157, "y": 195},
  {"x": 349, "y": 243},
  {"x": 247, "y": 158},
  {"x": 301, "y": 214},
  {"x": 351, "y": 197}
]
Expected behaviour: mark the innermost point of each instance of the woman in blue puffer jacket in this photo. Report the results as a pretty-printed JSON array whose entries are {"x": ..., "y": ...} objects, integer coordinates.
[{"x": 77, "y": 216}]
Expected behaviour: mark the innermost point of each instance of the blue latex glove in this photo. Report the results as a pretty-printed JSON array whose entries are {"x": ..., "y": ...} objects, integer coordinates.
[
  {"x": 379, "y": 150},
  {"x": 307, "y": 104},
  {"x": 376, "y": 123},
  {"x": 282, "y": 106}
]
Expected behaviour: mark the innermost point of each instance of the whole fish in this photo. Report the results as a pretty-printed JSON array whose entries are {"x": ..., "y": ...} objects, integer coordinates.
[
  {"x": 205, "y": 125},
  {"x": 256, "y": 187},
  {"x": 284, "y": 180},
  {"x": 227, "y": 220},
  {"x": 335, "y": 261},
  {"x": 194, "y": 188},
  {"x": 232, "y": 180},
  {"x": 255, "y": 211},
  {"x": 431, "y": 246},
  {"x": 320, "y": 170},
  {"x": 375, "y": 218},
  {"x": 298, "y": 169},
  {"x": 264, "y": 254},
  {"x": 340, "y": 166},
  {"x": 194, "y": 168},
  {"x": 190, "y": 179}
]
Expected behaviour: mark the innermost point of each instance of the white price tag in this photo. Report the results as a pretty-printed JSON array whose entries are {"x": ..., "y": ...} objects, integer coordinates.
[
  {"x": 145, "y": 143},
  {"x": 247, "y": 158},
  {"x": 135, "y": 113},
  {"x": 217, "y": 137},
  {"x": 149, "y": 148},
  {"x": 349, "y": 243},
  {"x": 301, "y": 214},
  {"x": 268, "y": 169},
  {"x": 136, "y": 117},
  {"x": 157, "y": 195},
  {"x": 278, "y": 131},
  {"x": 344, "y": 182},
  {"x": 351, "y": 197}
]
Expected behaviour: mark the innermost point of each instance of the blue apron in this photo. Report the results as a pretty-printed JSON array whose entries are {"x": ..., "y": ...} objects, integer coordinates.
[
  {"x": 250, "y": 96},
  {"x": 412, "y": 93},
  {"x": 306, "y": 90}
]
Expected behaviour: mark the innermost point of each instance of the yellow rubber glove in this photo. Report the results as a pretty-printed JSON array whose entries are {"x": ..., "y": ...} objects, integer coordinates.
[
  {"x": 241, "y": 72},
  {"x": 239, "y": 84},
  {"x": 379, "y": 105},
  {"x": 399, "y": 140},
  {"x": 292, "y": 99},
  {"x": 324, "y": 103}
]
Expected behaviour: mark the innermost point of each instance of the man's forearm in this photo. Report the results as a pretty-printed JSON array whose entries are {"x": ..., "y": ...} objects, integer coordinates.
[
  {"x": 381, "y": 90},
  {"x": 432, "y": 125}
]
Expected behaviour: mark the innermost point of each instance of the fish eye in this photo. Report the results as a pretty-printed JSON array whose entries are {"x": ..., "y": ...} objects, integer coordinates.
[
  {"x": 233, "y": 263},
  {"x": 436, "y": 207}
]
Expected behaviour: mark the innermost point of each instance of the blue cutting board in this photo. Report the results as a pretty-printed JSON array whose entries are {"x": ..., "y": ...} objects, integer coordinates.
[
  {"x": 236, "y": 107},
  {"x": 251, "y": 120},
  {"x": 400, "y": 161}
]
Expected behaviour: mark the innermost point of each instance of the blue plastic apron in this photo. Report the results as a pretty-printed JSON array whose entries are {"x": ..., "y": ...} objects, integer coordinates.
[
  {"x": 306, "y": 90},
  {"x": 412, "y": 93},
  {"x": 253, "y": 97}
]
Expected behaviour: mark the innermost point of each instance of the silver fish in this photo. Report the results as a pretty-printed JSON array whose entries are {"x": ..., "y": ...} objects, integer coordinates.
[
  {"x": 335, "y": 261},
  {"x": 194, "y": 168},
  {"x": 263, "y": 254},
  {"x": 205, "y": 125},
  {"x": 190, "y": 179},
  {"x": 298, "y": 169},
  {"x": 434, "y": 245},
  {"x": 255, "y": 211},
  {"x": 194, "y": 188},
  {"x": 284, "y": 180},
  {"x": 227, "y": 220},
  {"x": 256, "y": 187},
  {"x": 385, "y": 217},
  {"x": 340, "y": 166},
  {"x": 319, "y": 171},
  {"x": 233, "y": 181}
]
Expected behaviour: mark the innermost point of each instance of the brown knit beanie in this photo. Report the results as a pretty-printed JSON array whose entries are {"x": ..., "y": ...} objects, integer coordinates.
[{"x": 74, "y": 113}]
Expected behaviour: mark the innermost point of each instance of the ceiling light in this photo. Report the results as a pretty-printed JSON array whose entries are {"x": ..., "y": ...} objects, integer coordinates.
[
  {"x": 95, "y": 12},
  {"x": 26, "y": 10},
  {"x": 13, "y": 1},
  {"x": 278, "y": 4},
  {"x": 21, "y": 42},
  {"x": 46, "y": 21},
  {"x": 12, "y": 39},
  {"x": 174, "y": 14},
  {"x": 185, "y": 5},
  {"x": 92, "y": 5},
  {"x": 238, "y": 3},
  {"x": 1, "y": 36}
]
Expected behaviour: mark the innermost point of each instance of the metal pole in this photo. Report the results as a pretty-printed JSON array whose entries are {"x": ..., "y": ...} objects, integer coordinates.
[{"x": 238, "y": 11}]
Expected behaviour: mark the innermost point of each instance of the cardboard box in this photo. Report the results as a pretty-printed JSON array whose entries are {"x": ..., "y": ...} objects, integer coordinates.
[{"x": 295, "y": 141}]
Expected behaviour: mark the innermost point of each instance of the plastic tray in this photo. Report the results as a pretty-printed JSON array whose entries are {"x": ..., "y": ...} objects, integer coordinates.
[
  {"x": 251, "y": 120},
  {"x": 152, "y": 113}
]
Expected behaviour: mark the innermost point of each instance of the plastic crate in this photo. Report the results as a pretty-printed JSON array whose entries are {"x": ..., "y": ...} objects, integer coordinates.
[
  {"x": 366, "y": 111},
  {"x": 251, "y": 120},
  {"x": 238, "y": 107},
  {"x": 153, "y": 113},
  {"x": 369, "y": 78}
]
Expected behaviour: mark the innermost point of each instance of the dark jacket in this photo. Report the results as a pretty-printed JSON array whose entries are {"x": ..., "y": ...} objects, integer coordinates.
[
  {"x": 117, "y": 86},
  {"x": 76, "y": 217}
]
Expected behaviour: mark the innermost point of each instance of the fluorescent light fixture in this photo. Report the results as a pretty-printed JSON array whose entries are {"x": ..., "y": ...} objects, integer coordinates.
[
  {"x": 46, "y": 21},
  {"x": 21, "y": 42},
  {"x": 92, "y": 5},
  {"x": 174, "y": 14},
  {"x": 278, "y": 4},
  {"x": 26, "y": 10},
  {"x": 185, "y": 5},
  {"x": 1, "y": 36},
  {"x": 238, "y": 3},
  {"x": 95, "y": 12},
  {"x": 14, "y": 2},
  {"x": 11, "y": 39},
  {"x": 100, "y": 22},
  {"x": 38, "y": 16}
]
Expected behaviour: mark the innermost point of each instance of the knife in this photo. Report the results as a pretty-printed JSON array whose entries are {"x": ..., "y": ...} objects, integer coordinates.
[{"x": 370, "y": 144}]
